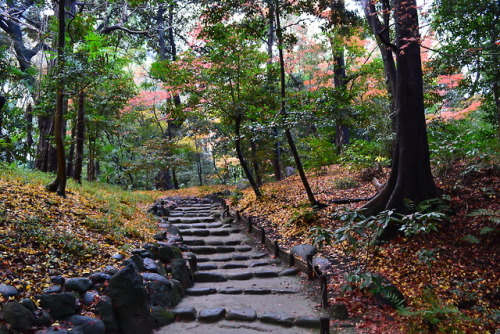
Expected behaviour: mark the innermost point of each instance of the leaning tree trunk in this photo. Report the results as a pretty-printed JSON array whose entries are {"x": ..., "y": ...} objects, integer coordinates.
[
  {"x": 243, "y": 163},
  {"x": 411, "y": 177},
  {"x": 59, "y": 184}
]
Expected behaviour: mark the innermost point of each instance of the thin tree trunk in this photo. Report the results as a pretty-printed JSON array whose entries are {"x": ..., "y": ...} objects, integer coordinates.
[
  {"x": 243, "y": 163},
  {"x": 255, "y": 163},
  {"x": 29, "y": 129},
  {"x": 59, "y": 184},
  {"x": 276, "y": 160},
  {"x": 382, "y": 36},
  {"x": 288, "y": 134},
  {"x": 71, "y": 155},
  {"x": 91, "y": 172},
  {"x": 80, "y": 137}
]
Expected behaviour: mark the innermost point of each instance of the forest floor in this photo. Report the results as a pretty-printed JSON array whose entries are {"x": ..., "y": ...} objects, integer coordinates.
[{"x": 450, "y": 277}]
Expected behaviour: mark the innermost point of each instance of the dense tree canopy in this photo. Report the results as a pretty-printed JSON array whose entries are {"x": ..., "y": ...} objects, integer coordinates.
[{"x": 174, "y": 93}]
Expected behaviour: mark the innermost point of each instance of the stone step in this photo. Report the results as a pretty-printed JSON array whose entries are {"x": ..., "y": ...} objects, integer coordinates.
[
  {"x": 219, "y": 249},
  {"x": 232, "y": 291},
  {"x": 203, "y": 242},
  {"x": 233, "y": 257},
  {"x": 198, "y": 225},
  {"x": 190, "y": 220},
  {"x": 220, "y": 232},
  {"x": 222, "y": 276}
]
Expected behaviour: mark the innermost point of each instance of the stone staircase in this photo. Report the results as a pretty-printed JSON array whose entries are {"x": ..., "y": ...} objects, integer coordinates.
[{"x": 238, "y": 288}]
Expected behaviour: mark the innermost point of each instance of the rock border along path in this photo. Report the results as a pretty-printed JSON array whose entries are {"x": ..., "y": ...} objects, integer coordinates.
[{"x": 238, "y": 288}]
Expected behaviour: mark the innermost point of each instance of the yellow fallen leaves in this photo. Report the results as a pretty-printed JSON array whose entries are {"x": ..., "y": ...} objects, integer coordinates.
[{"x": 43, "y": 234}]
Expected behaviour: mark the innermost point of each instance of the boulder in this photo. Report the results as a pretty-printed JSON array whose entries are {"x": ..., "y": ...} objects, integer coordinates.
[
  {"x": 246, "y": 314},
  {"x": 130, "y": 301},
  {"x": 303, "y": 251},
  {"x": 160, "y": 293},
  {"x": 106, "y": 312},
  {"x": 8, "y": 291},
  {"x": 150, "y": 265},
  {"x": 42, "y": 318},
  {"x": 166, "y": 253},
  {"x": 99, "y": 277},
  {"x": 59, "y": 305},
  {"x": 79, "y": 284},
  {"x": 89, "y": 297},
  {"x": 87, "y": 325},
  {"x": 18, "y": 316},
  {"x": 187, "y": 313},
  {"x": 212, "y": 314},
  {"x": 243, "y": 184},
  {"x": 289, "y": 171},
  {"x": 277, "y": 318},
  {"x": 162, "y": 316},
  {"x": 181, "y": 272},
  {"x": 29, "y": 304}
]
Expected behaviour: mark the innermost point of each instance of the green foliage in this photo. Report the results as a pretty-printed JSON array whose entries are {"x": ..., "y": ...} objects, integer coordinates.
[
  {"x": 468, "y": 35},
  {"x": 434, "y": 315},
  {"x": 319, "y": 152},
  {"x": 345, "y": 183},
  {"x": 427, "y": 256},
  {"x": 362, "y": 154},
  {"x": 305, "y": 215},
  {"x": 468, "y": 138}
]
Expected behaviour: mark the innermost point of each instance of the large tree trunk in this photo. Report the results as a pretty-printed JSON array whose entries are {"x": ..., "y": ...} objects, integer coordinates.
[
  {"x": 59, "y": 184},
  {"x": 288, "y": 134},
  {"x": 45, "y": 160},
  {"x": 411, "y": 177}
]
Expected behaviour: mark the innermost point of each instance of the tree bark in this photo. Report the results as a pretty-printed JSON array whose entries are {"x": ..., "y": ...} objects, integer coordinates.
[
  {"x": 288, "y": 134},
  {"x": 79, "y": 138},
  {"x": 59, "y": 184},
  {"x": 239, "y": 154},
  {"x": 381, "y": 32},
  {"x": 255, "y": 163},
  {"x": 29, "y": 129},
  {"x": 70, "y": 168},
  {"x": 91, "y": 169},
  {"x": 276, "y": 160},
  {"x": 411, "y": 177}
]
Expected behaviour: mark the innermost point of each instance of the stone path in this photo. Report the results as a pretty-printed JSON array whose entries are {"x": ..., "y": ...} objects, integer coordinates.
[{"x": 238, "y": 288}]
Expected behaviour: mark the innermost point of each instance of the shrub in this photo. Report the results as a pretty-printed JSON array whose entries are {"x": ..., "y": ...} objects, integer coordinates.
[
  {"x": 345, "y": 183},
  {"x": 362, "y": 154}
]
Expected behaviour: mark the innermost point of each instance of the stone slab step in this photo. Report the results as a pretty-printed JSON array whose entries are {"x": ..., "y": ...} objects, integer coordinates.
[{"x": 190, "y": 220}]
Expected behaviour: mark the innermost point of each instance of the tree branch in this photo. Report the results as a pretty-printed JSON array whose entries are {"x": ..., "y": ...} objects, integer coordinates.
[{"x": 110, "y": 29}]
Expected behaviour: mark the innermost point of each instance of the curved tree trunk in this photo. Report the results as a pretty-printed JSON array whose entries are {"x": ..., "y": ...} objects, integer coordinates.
[
  {"x": 411, "y": 177},
  {"x": 288, "y": 133}
]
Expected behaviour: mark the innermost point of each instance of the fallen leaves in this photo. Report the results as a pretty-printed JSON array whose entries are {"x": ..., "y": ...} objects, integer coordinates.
[
  {"x": 44, "y": 235},
  {"x": 462, "y": 274}
]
